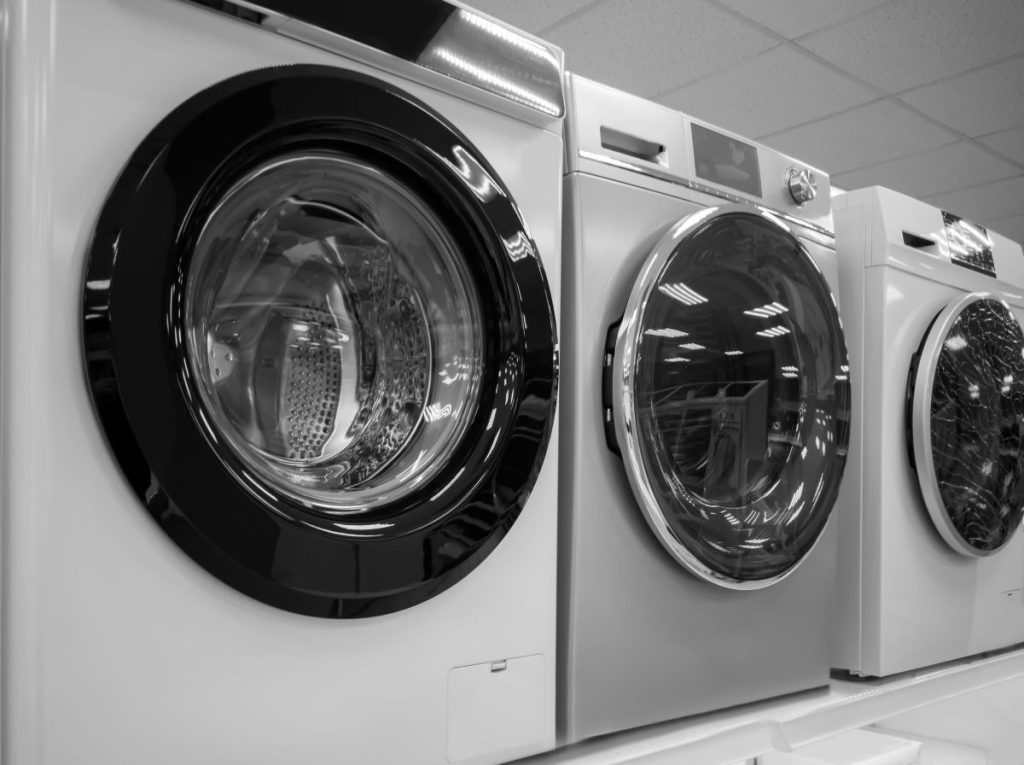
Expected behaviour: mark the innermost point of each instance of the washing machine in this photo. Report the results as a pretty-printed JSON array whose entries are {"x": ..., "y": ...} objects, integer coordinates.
[
  {"x": 279, "y": 371},
  {"x": 704, "y": 414},
  {"x": 931, "y": 564}
]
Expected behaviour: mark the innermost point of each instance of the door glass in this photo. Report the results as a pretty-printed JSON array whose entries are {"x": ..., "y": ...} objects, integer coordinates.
[
  {"x": 333, "y": 332},
  {"x": 977, "y": 415},
  {"x": 741, "y": 396}
]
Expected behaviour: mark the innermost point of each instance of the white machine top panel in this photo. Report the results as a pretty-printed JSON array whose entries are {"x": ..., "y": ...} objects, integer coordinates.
[
  {"x": 910, "y": 233},
  {"x": 612, "y": 132}
]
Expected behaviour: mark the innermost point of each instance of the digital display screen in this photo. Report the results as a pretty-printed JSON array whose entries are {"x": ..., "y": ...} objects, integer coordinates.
[
  {"x": 969, "y": 244},
  {"x": 726, "y": 161}
]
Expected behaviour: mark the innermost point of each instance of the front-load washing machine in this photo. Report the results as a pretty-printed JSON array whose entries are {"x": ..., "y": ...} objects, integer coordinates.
[
  {"x": 705, "y": 404},
  {"x": 930, "y": 565},
  {"x": 294, "y": 504}
]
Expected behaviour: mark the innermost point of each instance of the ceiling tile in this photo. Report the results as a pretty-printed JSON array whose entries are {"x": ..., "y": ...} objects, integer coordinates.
[
  {"x": 768, "y": 93},
  {"x": 912, "y": 42},
  {"x": 652, "y": 47},
  {"x": 1009, "y": 143},
  {"x": 798, "y": 17},
  {"x": 867, "y": 135},
  {"x": 983, "y": 101},
  {"x": 1011, "y": 228},
  {"x": 932, "y": 172},
  {"x": 531, "y": 15},
  {"x": 992, "y": 201}
]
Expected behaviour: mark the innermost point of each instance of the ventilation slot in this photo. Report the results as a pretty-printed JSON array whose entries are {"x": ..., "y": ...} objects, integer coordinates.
[
  {"x": 632, "y": 146},
  {"x": 917, "y": 242}
]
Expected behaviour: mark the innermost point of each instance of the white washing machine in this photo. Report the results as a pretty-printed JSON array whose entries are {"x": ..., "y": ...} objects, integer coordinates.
[
  {"x": 704, "y": 416},
  {"x": 291, "y": 503},
  {"x": 931, "y": 567}
]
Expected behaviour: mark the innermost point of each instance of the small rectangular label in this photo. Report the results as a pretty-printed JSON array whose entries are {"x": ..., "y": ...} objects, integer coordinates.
[
  {"x": 725, "y": 161},
  {"x": 969, "y": 244}
]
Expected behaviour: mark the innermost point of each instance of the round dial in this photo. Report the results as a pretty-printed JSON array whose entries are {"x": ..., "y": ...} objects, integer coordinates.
[{"x": 803, "y": 185}]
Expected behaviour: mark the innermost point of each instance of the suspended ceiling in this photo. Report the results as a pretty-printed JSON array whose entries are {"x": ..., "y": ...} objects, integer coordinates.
[{"x": 923, "y": 96}]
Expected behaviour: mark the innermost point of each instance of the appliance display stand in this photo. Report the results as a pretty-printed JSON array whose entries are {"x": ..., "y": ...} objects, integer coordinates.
[{"x": 735, "y": 736}]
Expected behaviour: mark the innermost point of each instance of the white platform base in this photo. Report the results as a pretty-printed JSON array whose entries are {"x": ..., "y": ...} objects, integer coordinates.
[{"x": 973, "y": 704}]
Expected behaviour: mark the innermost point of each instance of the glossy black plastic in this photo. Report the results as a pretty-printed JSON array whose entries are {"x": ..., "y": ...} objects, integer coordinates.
[
  {"x": 742, "y": 397},
  {"x": 977, "y": 424},
  {"x": 607, "y": 370},
  {"x": 402, "y": 28},
  {"x": 267, "y": 546}
]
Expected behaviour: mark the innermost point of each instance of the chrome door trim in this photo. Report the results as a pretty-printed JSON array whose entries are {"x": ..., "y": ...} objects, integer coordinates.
[
  {"x": 921, "y": 427},
  {"x": 623, "y": 363}
]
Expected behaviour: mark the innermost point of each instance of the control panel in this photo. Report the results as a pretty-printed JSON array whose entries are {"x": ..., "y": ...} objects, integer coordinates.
[
  {"x": 616, "y": 134},
  {"x": 970, "y": 245}
]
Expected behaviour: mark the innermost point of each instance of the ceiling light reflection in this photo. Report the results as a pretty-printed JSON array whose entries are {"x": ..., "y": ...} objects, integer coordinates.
[
  {"x": 956, "y": 342},
  {"x": 666, "y": 332},
  {"x": 519, "y": 247},
  {"x": 509, "y": 36},
  {"x": 767, "y": 310},
  {"x": 778, "y": 331},
  {"x": 682, "y": 293},
  {"x": 503, "y": 85}
]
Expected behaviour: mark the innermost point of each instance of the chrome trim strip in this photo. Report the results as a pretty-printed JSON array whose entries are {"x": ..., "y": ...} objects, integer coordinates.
[
  {"x": 623, "y": 363},
  {"x": 921, "y": 427},
  {"x": 454, "y": 41},
  {"x": 679, "y": 180}
]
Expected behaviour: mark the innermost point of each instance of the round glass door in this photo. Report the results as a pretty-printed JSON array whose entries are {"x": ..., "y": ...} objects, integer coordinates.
[
  {"x": 320, "y": 341},
  {"x": 967, "y": 421},
  {"x": 731, "y": 398},
  {"x": 333, "y": 332}
]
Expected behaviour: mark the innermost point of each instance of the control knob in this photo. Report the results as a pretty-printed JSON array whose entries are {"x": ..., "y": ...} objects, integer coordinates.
[{"x": 803, "y": 186}]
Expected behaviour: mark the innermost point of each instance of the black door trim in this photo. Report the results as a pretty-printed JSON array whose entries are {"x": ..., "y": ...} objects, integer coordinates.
[{"x": 268, "y": 546}]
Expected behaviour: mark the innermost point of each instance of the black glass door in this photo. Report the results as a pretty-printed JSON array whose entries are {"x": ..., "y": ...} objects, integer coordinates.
[
  {"x": 320, "y": 341},
  {"x": 966, "y": 421},
  {"x": 730, "y": 396}
]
